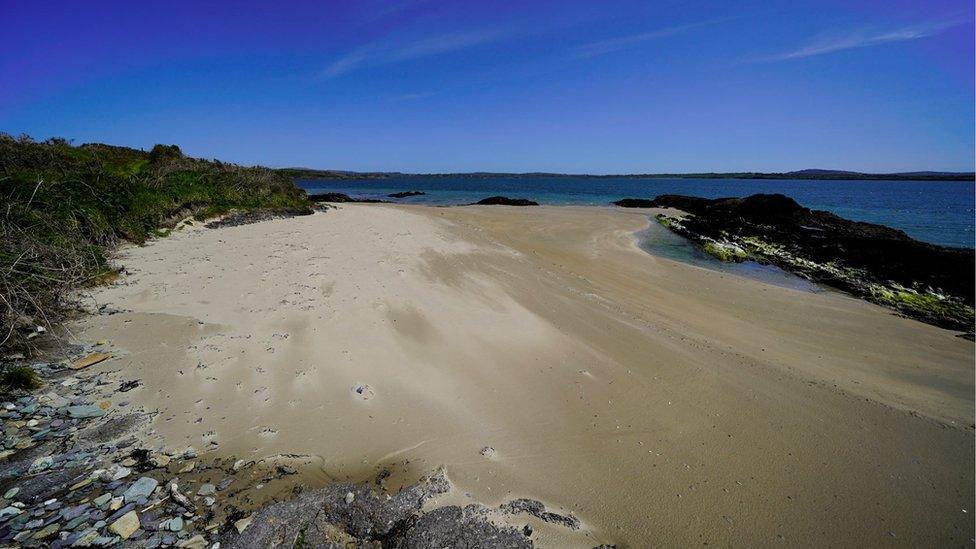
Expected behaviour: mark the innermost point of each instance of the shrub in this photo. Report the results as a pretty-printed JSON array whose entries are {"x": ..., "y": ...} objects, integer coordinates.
[{"x": 18, "y": 378}]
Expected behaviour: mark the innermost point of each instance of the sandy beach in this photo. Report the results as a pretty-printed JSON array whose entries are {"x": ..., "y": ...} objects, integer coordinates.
[{"x": 538, "y": 352}]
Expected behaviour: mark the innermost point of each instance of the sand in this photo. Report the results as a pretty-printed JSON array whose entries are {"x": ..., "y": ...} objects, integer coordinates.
[{"x": 661, "y": 403}]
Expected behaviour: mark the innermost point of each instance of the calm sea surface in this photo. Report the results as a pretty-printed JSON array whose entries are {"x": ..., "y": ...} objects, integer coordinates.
[{"x": 940, "y": 212}]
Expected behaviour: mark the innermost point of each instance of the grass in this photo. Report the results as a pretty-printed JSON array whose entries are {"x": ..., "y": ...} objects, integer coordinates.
[
  {"x": 65, "y": 207},
  {"x": 18, "y": 378}
]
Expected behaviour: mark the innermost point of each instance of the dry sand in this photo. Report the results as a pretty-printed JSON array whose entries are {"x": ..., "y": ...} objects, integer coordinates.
[{"x": 661, "y": 403}]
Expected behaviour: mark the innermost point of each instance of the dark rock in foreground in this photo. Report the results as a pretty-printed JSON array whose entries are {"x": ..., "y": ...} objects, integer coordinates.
[
  {"x": 504, "y": 201},
  {"x": 356, "y": 515},
  {"x": 342, "y": 197},
  {"x": 931, "y": 283},
  {"x": 405, "y": 194}
]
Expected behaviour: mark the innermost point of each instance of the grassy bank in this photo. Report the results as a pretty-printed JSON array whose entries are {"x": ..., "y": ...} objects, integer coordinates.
[{"x": 64, "y": 207}]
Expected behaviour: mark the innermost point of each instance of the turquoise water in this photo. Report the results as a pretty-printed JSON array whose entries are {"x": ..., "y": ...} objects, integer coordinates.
[
  {"x": 940, "y": 212},
  {"x": 659, "y": 241}
]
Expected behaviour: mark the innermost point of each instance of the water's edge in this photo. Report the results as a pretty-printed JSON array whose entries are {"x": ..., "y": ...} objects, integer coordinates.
[{"x": 660, "y": 242}]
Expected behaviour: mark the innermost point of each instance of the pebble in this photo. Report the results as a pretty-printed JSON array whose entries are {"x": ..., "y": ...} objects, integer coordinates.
[
  {"x": 8, "y": 512},
  {"x": 116, "y": 503},
  {"x": 40, "y": 464},
  {"x": 126, "y": 525},
  {"x": 86, "y": 539},
  {"x": 207, "y": 490},
  {"x": 141, "y": 488},
  {"x": 242, "y": 524},
  {"x": 115, "y": 472},
  {"x": 101, "y": 500},
  {"x": 46, "y": 532},
  {"x": 173, "y": 525}
]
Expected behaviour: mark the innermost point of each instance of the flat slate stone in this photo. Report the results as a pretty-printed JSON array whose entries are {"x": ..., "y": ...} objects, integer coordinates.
[
  {"x": 141, "y": 488},
  {"x": 126, "y": 525},
  {"x": 85, "y": 411}
]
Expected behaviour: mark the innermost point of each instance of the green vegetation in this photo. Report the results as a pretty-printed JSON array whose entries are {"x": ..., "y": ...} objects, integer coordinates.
[
  {"x": 65, "y": 207},
  {"x": 665, "y": 221},
  {"x": 300, "y": 542},
  {"x": 18, "y": 378},
  {"x": 725, "y": 252},
  {"x": 924, "y": 303}
]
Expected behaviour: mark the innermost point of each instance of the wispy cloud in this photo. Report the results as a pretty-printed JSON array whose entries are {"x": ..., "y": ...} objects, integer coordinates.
[
  {"x": 861, "y": 39},
  {"x": 603, "y": 47},
  {"x": 389, "y": 53}
]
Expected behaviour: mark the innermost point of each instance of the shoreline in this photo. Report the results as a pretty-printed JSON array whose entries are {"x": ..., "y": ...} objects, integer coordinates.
[{"x": 564, "y": 322}]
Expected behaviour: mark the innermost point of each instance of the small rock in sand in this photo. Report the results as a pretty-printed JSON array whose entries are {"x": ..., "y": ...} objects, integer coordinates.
[
  {"x": 363, "y": 391},
  {"x": 242, "y": 524}
]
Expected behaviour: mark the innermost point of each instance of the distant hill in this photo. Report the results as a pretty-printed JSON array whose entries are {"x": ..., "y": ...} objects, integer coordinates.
[{"x": 308, "y": 173}]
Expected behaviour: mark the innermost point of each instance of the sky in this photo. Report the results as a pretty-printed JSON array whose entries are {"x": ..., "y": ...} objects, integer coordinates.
[{"x": 451, "y": 86}]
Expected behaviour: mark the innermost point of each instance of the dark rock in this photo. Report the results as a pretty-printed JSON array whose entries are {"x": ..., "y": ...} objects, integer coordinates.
[
  {"x": 453, "y": 526},
  {"x": 635, "y": 203},
  {"x": 127, "y": 386},
  {"x": 538, "y": 510},
  {"x": 925, "y": 281},
  {"x": 504, "y": 201},
  {"x": 405, "y": 194},
  {"x": 257, "y": 215}
]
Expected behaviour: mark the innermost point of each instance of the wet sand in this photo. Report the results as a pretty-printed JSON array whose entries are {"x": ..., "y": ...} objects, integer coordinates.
[{"x": 662, "y": 403}]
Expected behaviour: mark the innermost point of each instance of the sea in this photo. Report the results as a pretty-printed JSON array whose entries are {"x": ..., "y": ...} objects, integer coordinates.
[{"x": 939, "y": 212}]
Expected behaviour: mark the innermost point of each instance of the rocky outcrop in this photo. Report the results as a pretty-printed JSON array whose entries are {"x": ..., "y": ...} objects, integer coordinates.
[
  {"x": 357, "y": 515},
  {"x": 504, "y": 201},
  {"x": 405, "y": 194},
  {"x": 883, "y": 265}
]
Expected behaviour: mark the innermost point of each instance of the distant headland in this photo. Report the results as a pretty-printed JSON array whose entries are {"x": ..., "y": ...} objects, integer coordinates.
[{"x": 308, "y": 173}]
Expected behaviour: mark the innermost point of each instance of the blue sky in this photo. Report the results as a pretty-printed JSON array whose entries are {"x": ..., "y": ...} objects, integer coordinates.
[{"x": 570, "y": 86}]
